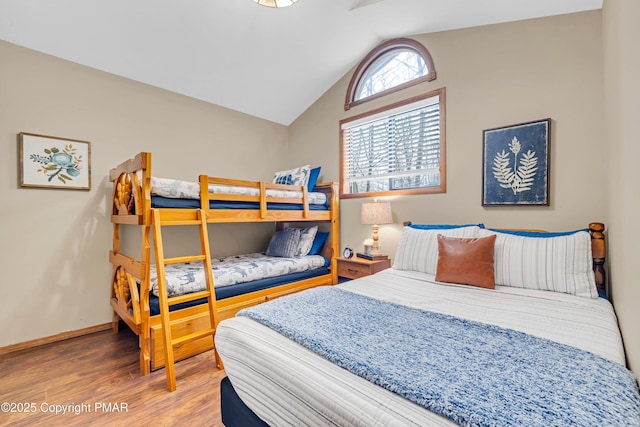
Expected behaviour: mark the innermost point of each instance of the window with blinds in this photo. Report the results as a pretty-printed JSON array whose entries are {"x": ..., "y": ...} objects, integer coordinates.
[{"x": 398, "y": 150}]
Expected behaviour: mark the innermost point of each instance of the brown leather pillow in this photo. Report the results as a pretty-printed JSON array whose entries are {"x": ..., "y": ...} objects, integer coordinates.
[{"x": 466, "y": 261}]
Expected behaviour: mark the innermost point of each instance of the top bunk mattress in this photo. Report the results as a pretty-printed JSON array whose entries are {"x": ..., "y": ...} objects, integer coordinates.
[{"x": 173, "y": 193}]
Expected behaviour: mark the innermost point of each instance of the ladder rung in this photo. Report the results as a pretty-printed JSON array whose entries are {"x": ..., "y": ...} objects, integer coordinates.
[
  {"x": 188, "y": 297},
  {"x": 194, "y": 336},
  {"x": 179, "y": 259}
]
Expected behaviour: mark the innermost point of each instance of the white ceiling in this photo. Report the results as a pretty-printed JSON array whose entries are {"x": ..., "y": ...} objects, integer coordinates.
[{"x": 269, "y": 63}]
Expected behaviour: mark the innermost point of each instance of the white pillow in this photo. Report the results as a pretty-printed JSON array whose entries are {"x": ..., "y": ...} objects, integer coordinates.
[
  {"x": 307, "y": 235},
  {"x": 560, "y": 264},
  {"x": 418, "y": 249},
  {"x": 297, "y": 176}
]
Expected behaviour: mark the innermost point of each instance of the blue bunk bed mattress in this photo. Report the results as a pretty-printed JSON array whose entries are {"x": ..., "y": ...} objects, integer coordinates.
[
  {"x": 241, "y": 288},
  {"x": 168, "y": 202}
]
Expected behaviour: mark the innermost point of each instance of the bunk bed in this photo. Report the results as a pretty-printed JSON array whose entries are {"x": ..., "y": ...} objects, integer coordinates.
[
  {"x": 470, "y": 326},
  {"x": 210, "y": 200}
]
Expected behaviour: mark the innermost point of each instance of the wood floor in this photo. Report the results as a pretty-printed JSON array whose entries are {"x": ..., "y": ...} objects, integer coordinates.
[{"x": 97, "y": 380}]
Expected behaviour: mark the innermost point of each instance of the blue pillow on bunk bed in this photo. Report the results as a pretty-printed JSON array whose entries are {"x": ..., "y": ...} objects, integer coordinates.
[
  {"x": 313, "y": 178},
  {"x": 284, "y": 243},
  {"x": 318, "y": 243}
]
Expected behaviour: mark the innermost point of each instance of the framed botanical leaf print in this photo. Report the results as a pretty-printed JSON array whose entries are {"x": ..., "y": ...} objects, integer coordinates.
[{"x": 515, "y": 164}]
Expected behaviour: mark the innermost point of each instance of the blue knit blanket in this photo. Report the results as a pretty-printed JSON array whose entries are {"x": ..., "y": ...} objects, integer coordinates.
[{"x": 470, "y": 372}]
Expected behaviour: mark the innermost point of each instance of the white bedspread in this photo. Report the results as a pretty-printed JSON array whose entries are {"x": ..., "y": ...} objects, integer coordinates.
[{"x": 286, "y": 384}]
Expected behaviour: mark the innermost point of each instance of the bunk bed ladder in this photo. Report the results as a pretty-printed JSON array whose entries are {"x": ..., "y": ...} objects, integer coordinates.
[{"x": 165, "y": 301}]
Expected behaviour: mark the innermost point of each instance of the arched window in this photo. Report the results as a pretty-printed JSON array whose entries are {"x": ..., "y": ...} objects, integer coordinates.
[{"x": 394, "y": 65}]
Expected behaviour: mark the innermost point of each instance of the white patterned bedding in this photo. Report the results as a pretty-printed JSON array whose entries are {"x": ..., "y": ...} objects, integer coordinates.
[
  {"x": 176, "y": 189},
  {"x": 184, "y": 278},
  {"x": 286, "y": 384}
]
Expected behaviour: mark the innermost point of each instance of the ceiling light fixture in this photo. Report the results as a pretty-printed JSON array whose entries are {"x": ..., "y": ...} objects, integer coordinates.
[{"x": 275, "y": 3}]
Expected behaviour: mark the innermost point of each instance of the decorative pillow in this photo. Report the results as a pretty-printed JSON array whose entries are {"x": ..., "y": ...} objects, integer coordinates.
[
  {"x": 297, "y": 176},
  {"x": 418, "y": 248},
  {"x": 318, "y": 243},
  {"x": 313, "y": 178},
  {"x": 307, "y": 235},
  {"x": 552, "y": 262},
  {"x": 466, "y": 261},
  {"x": 284, "y": 243}
]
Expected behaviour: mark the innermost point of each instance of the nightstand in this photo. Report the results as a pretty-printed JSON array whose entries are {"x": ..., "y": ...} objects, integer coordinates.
[{"x": 355, "y": 267}]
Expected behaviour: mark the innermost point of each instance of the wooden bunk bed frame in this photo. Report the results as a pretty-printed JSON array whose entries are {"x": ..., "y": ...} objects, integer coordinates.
[{"x": 132, "y": 206}]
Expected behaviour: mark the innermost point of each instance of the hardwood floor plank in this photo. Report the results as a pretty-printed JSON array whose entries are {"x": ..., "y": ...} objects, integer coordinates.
[{"x": 96, "y": 380}]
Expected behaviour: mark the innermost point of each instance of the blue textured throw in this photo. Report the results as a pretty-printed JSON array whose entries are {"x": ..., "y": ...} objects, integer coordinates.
[{"x": 470, "y": 372}]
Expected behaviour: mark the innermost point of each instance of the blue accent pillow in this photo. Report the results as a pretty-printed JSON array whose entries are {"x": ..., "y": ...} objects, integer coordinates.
[
  {"x": 318, "y": 243},
  {"x": 284, "y": 243},
  {"x": 542, "y": 234},
  {"x": 440, "y": 226},
  {"x": 313, "y": 178}
]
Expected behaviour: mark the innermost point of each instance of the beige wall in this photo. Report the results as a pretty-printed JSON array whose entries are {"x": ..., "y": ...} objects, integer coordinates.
[
  {"x": 622, "y": 146},
  {"x": 494, "y": 75},
  {"x": 55, "y": 243}
]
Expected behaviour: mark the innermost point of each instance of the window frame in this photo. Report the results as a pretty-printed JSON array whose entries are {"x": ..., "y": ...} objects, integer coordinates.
[
  {"x": 440, "y": 93},
  {"x": 371, "y": 58}
]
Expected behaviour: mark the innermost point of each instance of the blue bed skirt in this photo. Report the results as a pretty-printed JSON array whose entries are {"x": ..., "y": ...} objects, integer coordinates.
[
  {"x": 234, "y": 411},
  {"x": 241, "y": 288},
  {"x": 167, "y": 202}
]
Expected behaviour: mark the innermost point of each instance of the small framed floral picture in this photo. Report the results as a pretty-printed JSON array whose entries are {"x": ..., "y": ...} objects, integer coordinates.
[
  {"x": 51, "y": 162},
  {"x": 515, "y": 164}
]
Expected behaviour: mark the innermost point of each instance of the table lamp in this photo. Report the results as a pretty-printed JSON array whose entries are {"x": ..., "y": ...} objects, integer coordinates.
[{"x": 375, "y": 214}]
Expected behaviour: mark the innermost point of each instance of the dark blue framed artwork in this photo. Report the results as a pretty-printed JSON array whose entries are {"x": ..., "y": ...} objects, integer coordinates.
[{"x": 515, "y": 164}]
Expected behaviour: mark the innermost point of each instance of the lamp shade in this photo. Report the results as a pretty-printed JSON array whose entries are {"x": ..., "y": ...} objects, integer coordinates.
[
  {"x": 376, "y": 213},
  {"x": 275, "y": 3}
]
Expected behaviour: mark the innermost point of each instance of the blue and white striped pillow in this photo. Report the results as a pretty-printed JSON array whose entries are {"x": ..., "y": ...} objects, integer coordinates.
[
  {"x": 284, "y": 243},
  {"x": 418, "y": 248},
  {"x": 555, "y": 262}
]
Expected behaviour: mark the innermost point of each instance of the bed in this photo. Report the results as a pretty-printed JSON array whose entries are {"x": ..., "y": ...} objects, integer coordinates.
[
  {"x": 465, "y": 328},
  {"x": 150, "y": 203}
]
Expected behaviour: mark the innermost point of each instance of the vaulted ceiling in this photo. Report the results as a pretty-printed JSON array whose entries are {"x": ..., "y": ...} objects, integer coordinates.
[{"x": 269, "y": 63}]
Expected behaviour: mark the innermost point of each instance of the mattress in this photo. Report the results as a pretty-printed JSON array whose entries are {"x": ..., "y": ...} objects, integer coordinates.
[
  {"x": 286, "y": 384},
  {"x": 187, "y": 277},
  {"x": 172, "y": 193},
  {"x": 242, "y": 288}
]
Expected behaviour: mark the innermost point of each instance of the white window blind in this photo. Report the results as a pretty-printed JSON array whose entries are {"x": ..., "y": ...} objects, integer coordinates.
[{"x": 396, "y": 149}]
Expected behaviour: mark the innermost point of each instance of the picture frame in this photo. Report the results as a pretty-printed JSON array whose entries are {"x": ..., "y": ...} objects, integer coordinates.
[
  {"x": 52, "y": 162},
  {"x": 515, "y": 164}
]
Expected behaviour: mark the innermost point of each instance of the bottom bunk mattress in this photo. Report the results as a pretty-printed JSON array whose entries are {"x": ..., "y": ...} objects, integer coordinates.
[
  {"x": 286, "y": 383},
  {"x": 234, "y": 275},
  {"x": 243, "y": 288}
]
